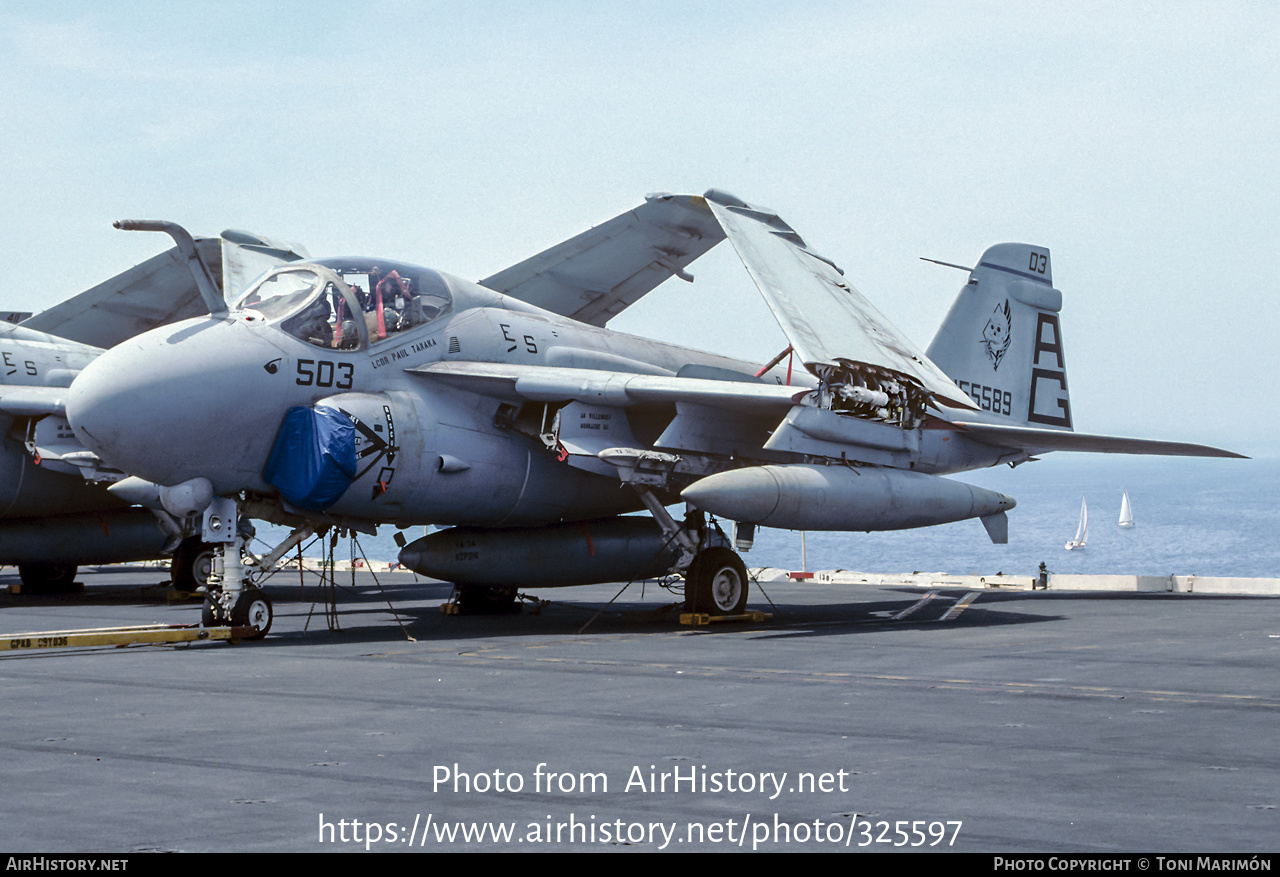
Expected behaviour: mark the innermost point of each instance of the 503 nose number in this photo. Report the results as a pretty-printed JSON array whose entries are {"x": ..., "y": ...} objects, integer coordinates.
[{"x": 323, "y": 373}]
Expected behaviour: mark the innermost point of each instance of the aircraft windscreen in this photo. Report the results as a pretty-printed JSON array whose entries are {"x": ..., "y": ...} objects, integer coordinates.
[
  {"x": 309, "y": 306},
  {"x": 280, "y": 293}
]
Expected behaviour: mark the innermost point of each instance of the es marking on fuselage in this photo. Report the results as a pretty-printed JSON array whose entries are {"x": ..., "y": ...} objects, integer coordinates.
[{"x": 530, "y": 343}]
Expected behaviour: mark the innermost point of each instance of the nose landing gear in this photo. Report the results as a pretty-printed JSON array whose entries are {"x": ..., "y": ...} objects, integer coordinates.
[{"x": 231, "y": 596}]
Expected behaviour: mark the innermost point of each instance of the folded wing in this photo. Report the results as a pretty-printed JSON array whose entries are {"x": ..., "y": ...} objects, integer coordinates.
[
  {"x": 829, "y": 323},
  {"x": 598, "y": 274}
]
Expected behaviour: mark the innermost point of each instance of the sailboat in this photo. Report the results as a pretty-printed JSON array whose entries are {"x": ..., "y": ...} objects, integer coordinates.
[
  {"x": 1082, "y": 531},
  {"x": 1126, "y": 512}
]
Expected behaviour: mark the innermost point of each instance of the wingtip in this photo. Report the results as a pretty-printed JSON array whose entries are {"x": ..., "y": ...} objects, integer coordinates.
[{"x": 720, "y": 196}]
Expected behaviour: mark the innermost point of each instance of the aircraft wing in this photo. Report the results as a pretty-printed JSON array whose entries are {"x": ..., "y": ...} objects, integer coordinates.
[
  {"x": 155, "y": 292},
  {"x": 596, "y": 275},
  {"x": 1044, "y": 440},
  {"x": 160, "y": 290},
  {"x": 827, "y": 321},
  {"x": 614, "y": 389}
]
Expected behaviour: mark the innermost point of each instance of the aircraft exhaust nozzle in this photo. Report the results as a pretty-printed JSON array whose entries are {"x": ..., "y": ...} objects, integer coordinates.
[
  {"x": 810, "y": 497},
  {"x": 581, "y": 553}
]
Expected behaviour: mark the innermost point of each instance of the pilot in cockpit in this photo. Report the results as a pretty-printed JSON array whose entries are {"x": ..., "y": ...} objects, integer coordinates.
[
  {"x": 389, "y": 307},
  {"x": 313, "y": 325}
]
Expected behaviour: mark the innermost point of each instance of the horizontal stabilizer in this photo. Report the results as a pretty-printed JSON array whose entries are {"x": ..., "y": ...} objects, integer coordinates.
[
  {"x": 1044, "y": 440},
  {"x": 828, "y": 322}
]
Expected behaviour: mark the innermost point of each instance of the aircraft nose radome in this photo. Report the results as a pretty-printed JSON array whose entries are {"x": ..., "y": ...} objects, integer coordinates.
[
  {"x": 114, "y": 412},
  {"x": 91, "y": 401},
  {"x": 167, "y": 406}
]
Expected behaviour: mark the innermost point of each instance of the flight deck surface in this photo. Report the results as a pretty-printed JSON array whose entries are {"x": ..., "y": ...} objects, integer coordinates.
[{"x": 856, "y": 717}]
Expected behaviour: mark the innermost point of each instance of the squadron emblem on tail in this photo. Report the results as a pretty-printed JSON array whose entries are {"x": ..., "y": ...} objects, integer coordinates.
[{"x": 995, "y": 335}]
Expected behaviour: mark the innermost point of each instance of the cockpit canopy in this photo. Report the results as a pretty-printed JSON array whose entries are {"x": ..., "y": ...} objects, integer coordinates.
[{"x": 344, "y": 304}]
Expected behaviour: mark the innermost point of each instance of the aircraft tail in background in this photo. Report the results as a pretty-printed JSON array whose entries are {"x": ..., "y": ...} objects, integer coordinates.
[{"x": 1001, "y": 342}]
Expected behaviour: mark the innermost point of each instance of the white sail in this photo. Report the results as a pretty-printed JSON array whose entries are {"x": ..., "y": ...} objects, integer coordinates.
[
  {"x": 1082, "y": 531},
  {"x": 1126, "y": 511}
]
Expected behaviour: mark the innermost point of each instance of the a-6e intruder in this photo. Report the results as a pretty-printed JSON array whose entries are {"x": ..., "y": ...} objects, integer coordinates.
[{"x": 355, "y": 392}]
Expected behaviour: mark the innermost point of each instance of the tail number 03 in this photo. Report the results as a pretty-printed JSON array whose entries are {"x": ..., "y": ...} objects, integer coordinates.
[{"x": 323, "y": 373}]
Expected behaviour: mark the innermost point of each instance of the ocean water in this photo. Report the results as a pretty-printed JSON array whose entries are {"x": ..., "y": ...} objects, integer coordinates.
[{"x": 1194, "y": 517}]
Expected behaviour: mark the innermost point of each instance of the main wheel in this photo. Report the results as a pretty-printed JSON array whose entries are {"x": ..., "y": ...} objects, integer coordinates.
[
  {"x": 253, "y": 609},
  {"x": 718, "y": 578},
  {"x": 192, "y": 564},
  {"x": 48, "y": 576},
  {"x": 486, "y": 600}
]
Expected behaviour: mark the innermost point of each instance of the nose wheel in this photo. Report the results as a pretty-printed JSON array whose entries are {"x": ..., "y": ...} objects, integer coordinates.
[
  {"x": 716, "y": 582},
  {"x": 252, "y": 609}
]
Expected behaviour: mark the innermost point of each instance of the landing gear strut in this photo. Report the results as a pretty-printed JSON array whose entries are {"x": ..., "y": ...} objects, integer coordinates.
[
  {"x": 231, "y": 596},
  {"x": 715, "y": 577}
]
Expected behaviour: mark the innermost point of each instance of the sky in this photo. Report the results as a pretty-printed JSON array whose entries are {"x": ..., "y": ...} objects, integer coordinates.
[{"x": 1138, "y": 142}]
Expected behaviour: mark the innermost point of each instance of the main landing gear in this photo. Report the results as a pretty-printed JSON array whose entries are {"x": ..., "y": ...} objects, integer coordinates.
[
  {"x": 715, "y": 577},
  {"x": 192, "y": 564},
  {"x": 44, "y": 578},
  {"x": 716, "y": 582}
]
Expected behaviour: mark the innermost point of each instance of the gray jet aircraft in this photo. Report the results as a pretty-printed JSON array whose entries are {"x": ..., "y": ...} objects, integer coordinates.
[
  {"x": 356, "y": 392},
  {"x": 57, "y": 511}
]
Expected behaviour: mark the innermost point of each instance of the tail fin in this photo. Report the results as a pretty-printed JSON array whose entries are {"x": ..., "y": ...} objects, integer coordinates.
[{"x": 1002, "y": 343}]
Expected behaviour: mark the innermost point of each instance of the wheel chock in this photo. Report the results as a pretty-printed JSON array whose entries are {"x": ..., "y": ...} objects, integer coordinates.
[{"x": 702, "y": 619}]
